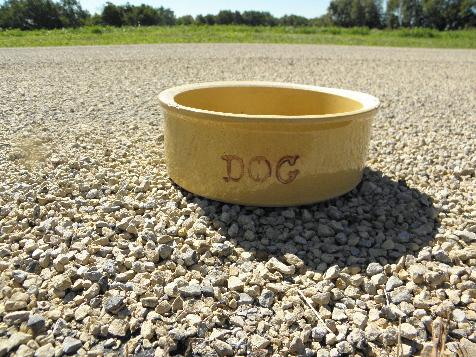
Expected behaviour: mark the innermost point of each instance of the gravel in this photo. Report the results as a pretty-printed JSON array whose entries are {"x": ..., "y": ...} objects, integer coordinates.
[
  {"x": 101, "y": 253},
  {"x": 114, "y": 304},
  {"x": 71, "y": 345},
  {"x": 37, "y": 323}
]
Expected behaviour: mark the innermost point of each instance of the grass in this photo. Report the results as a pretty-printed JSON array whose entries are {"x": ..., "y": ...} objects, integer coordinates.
[{"x": 102, "y": 35}]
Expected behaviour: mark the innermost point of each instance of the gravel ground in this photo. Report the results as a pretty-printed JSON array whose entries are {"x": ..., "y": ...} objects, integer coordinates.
[{"x": 101, "y": 254}]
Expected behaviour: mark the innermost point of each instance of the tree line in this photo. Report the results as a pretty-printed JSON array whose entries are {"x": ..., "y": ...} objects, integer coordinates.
[{"x": 438, "y": 14}]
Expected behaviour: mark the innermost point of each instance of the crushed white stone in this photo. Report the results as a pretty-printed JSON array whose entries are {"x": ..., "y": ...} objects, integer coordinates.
[{"x": 101, "y": 254}]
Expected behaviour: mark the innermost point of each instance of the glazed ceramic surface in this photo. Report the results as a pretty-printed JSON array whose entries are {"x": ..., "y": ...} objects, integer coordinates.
[{"x": 266, "y": 144}]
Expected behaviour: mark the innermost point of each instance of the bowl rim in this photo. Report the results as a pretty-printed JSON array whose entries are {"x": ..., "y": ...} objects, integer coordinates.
[{"x": 167, "y": 101}]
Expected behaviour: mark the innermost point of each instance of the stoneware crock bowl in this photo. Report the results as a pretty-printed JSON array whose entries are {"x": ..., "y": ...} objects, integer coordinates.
[{"x": 266, "y": 143}]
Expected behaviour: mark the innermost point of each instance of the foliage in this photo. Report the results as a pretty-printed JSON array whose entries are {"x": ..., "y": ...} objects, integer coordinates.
[
  {"x": 437, "y": 14},
  {"x": 30, "y": 14},
  {"x": 35, "y": 14},
  {"x": 349, "y": 13},
  {"x": 293, "y": 20},
  {"x": 142, "y": 15},
  {"x": 227, "y": 17},
  {"x": 72, "y": 14},
  {"x": 185, "y": 20},
  {"x": 112, "y": 15}
]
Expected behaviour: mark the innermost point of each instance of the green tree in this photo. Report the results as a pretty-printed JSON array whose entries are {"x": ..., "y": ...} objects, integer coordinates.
[
  {"x": 340, "y": 12},
  {"x": 433, "y": 14},
  {"x": 93, "y": 20},
  {"x": 393, "y": 16},
  {"x": 142, "y": 15},
  {"x": 438, "y": 14},
  {"x": 185, "y": 20},
  {"x": 373, "y": 13},
  {"x": 293, "y": 20},
  {"x": 459, "y": 14},
  {"x": 467, "y": 13},
  {"x": 228, "y": 17},
  {"x": 357, "y": 13},
  {"x": 324, "y": 20},
  {"x": 411, "y": 13},
  {"x": 404, "y": 13},
  {"x": 128, "y": 14},
  {"x": 146, "y": 15},
  {"x": 210, "y": 19},
  {"x": 12, "y": 14},
  {"x": 224, "y": 17},
  {"x": 349, "y": 13},
  {"x": 113, "y": 15},
  {"x": 166, "y": 17},
  {"x": 258, "y": 18},
  {"x": 72, "y": 14},
  {"x": 200, "y": 20},
  {"x": 30, "y": 14},
  {"x": 237, "y": 18}
]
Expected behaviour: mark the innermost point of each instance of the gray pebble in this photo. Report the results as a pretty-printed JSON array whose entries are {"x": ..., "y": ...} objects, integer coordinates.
[
  {"x": 190, "y": 291},
  {"x": 374, "y": 268},
  {"x": 392, "y": 283},
  {"x": 71, "y": 345},
  {"x": 114, "y": 304},
  {"x": 319, "y": 332},
  {"x": 245, "y": 299},
  {"x": 207, "y": 291},
  {"x": 266, "y": 299},
  {"x": 19, "y": 276},
  {"x": 400, "y": 294},
  {"x": 37, "y": 323}
]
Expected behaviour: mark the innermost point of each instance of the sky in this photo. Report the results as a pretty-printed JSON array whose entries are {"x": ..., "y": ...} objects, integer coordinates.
[{"x": 307, "y": 8}]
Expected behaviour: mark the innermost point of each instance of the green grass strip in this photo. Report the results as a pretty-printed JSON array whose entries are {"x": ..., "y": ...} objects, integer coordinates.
[{"x": 103, "y": 35}]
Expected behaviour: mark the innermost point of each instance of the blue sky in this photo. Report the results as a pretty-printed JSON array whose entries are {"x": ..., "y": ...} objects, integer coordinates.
[{"x": 308, "y": 8}]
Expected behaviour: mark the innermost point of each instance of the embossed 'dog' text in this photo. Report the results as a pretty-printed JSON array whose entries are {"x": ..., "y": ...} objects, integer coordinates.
[{"x": 260, "y": 169}]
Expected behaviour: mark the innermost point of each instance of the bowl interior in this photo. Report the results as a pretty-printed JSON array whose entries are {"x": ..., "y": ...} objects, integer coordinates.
[{"x": 256, "y": 100}]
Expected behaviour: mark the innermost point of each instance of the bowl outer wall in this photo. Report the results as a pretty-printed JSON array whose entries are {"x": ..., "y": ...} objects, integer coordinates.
[{"x": 272, "y": 163}]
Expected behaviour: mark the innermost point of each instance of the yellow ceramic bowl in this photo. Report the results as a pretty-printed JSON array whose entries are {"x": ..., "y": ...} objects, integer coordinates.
[{"x": 266, "y": 144}]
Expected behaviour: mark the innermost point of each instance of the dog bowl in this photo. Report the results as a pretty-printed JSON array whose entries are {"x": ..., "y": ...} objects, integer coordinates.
[{"x": 266, "y": 143}]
